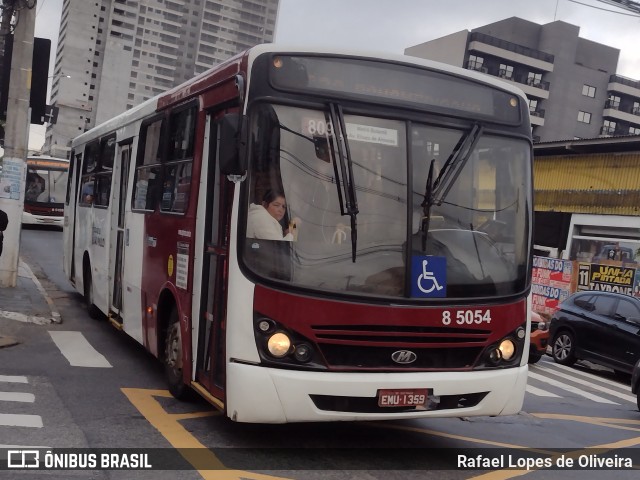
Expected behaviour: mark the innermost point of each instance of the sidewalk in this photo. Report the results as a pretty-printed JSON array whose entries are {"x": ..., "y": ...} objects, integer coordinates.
[{"x": 26, "y": 302}]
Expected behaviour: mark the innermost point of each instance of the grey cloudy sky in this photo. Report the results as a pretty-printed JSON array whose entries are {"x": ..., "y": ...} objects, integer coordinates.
[{"x": 393, "y": 25}]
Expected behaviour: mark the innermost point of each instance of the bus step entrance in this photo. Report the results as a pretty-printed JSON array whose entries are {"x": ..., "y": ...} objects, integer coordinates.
[{"x": 116, "y": 320}]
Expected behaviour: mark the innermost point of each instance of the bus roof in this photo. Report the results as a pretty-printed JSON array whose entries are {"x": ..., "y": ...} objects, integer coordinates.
[
  {"x": 44, "y": 161},
  {"x": 46, "y": 158},
  {"x": 389, "y": 57},
  {"x": 231, "y": 66}
]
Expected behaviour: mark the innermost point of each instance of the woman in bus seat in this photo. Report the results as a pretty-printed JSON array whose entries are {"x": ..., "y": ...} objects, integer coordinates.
[{"x": 264, "y": 220}]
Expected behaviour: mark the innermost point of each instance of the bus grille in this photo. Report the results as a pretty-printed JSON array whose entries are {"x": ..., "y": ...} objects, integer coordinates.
[
  {"x": 370, "y": 404},
  {"x": 352, "y": 356},
  {"x": 371, "y": 346}
]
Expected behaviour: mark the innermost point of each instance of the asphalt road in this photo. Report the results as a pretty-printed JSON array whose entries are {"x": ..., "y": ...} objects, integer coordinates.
[{"x": 121, "y": 402}]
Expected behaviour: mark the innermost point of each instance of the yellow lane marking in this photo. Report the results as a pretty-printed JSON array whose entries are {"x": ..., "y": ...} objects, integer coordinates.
[
  {"x": 602, "y": 421},
  {"x": 596, "y": 449},
  {"x": 615, "y": 423},
  {"x": 203, "y": 460},
  {"x": 460, "y": 437}
]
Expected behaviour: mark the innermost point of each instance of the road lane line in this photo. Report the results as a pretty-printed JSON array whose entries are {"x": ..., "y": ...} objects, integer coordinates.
[
  {"x": 203, "y": 460},
  {"x": 569, "y": 388},
  {"x": 23, "y": 447},
  {"x": 77, "y": 350},
  {"x": 582, "y": 374},
  {"x": 13, "y": 379},
  {"x": 17, "y": 397},
  {"x": 437, "y": 433},
  {"x": 20, "y": 420},
  {"x": 541, "y": 393},
  {"x": 580, "y": 381}
]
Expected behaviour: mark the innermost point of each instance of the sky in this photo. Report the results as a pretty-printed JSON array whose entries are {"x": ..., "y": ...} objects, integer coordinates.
[{"x": 392, "y": 25}]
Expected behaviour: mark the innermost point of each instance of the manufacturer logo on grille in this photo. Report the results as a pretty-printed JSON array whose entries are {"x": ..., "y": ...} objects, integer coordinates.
[{"x": 404, "y": 357}]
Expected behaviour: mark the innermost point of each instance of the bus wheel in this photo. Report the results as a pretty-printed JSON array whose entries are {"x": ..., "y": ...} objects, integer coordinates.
[
  {"x": 173, "y": 359},
  {"x": 94, "y": 312}
]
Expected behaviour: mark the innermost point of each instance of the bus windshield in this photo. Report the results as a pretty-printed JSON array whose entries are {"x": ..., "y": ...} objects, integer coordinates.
[
  {"x": 46, "y": 185},
  {"x": 475, "y": 232}
]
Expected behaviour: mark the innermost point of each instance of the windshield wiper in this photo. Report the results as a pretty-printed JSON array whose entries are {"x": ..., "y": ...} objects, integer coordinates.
[
  {"x": 454, "y": 164},
  {"x": 436, "y": 191},
  {"x": 426, "y": 205},
  {"x": 344, "y": 173}
]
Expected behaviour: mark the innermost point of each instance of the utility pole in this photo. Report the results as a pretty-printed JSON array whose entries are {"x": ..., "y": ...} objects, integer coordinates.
[{"x": 16, "y": 140}]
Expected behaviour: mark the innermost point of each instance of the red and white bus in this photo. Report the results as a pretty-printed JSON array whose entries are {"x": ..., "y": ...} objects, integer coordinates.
[
  {"x": 404, "y": 292},
  {"x": 46, "y": 184}
]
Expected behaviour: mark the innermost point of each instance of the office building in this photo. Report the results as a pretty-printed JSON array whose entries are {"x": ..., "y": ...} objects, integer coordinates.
[
  {"x": 114, "y": 54},
  {"x": 571, "y": 82}
]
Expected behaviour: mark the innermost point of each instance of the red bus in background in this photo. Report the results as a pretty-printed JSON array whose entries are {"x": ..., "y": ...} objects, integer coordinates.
[
  {"x": 404, "y": 292},
  {"x": 45, "y": 188}
]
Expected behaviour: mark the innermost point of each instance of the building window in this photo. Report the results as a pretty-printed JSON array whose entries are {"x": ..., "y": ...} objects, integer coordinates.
[
  {"x": 634, "y": 130},
  {"x": 613, "y": 102},
  {"x": 588, "y": 91},
  {"x": 584, "y": 117},
  {"x": 533, "y": 104},
  {"x": 608, "y": 127},
  {"x": 636, "y": 108},
  {"x": 506, "y": 71},
  {"x": 475, "y": 63},
  {"x": 534, "y": 79}
]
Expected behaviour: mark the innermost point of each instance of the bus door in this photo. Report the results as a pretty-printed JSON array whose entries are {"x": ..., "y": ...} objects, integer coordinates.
[
  {"x": 69, "y": 225},
  {"x": 210, "y": 367},
  {"x": 118, "y": 219}
]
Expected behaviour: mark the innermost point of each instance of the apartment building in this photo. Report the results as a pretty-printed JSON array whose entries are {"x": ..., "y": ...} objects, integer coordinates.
[
  {"x": 114, "y": 54},
  {"x": 571, "y": 82}
]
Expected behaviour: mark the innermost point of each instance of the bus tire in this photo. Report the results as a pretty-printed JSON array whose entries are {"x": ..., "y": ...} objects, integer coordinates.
[
  {"x": 173, "y": 359},
  {"x": 94, "y": 312}
]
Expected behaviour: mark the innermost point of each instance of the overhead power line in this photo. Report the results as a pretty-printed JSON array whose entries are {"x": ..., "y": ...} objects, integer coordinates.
[
  {"x": 630, "y": 5},
  {"x": 633, "y": 7}
]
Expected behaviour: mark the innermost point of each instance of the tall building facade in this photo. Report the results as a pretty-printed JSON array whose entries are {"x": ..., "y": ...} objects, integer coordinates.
[
  {"x": 571, "y": 82},
  {"x": 114, "y": 54}
]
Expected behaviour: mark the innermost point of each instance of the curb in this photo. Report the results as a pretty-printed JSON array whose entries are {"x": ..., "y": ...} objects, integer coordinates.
[{"x": 55, "y": 315}]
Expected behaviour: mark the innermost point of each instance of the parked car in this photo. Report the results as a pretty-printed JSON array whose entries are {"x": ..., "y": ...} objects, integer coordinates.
[
  {"x": 601, "y": 327},
  {"x": 635, "y": 382},
  {"x": 539, "y": 337}
]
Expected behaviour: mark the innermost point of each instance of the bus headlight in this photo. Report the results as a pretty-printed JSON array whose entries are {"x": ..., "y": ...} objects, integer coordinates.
[
  {"x": 507, "y": 349},
  {"x": 279, "y": 344},
  {"x": 303, "y": 352}
]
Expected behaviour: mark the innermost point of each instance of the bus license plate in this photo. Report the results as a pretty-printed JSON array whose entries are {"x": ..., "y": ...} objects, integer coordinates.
[{"x": 403, "y": 398}]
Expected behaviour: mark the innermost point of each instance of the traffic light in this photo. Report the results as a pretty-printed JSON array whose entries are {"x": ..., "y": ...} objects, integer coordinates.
[
  {"x": 39, "y": 78},
  {"x": 6, "y": 74}
]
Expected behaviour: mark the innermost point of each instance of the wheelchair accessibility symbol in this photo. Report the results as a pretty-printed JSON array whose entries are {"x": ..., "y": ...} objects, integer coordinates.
[{"x": 429, "y": 276}]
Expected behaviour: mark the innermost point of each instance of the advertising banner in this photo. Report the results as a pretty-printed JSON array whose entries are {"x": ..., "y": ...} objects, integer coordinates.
[
  {"x": 551, "y": 283},
  {"x": 606, "y": 278}
]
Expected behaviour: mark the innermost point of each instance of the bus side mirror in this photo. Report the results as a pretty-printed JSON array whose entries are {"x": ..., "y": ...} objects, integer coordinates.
[{"x": 232, "y": 157}]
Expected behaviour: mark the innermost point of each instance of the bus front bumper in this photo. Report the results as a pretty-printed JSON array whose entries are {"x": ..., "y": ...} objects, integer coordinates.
[
  {"x": 30, "y": 219},
  {"x": 258, "y": 394}
]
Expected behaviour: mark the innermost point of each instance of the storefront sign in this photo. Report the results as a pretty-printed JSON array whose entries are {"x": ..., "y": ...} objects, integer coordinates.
[{"x": 606, "y": 278}]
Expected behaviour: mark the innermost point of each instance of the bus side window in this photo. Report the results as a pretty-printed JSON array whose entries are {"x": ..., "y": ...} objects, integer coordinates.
[
  {"x": 89, "y": 167},
  {"x": 177, "y": 171},
  {"x": 104, "y": 174},
  {"x": 147, "y": 175}
]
